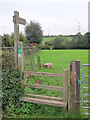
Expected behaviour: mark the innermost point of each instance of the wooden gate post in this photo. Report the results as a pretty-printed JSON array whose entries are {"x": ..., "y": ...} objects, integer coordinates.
[
  {"x": 20, "y": 56},
  {"x": 78, "y": 85},
  {"x": 72, "y": 84},
  {"x": 75, "y": 85},
  {"x": 38, "y": 62},
  {"x": 65, "y": 85}
]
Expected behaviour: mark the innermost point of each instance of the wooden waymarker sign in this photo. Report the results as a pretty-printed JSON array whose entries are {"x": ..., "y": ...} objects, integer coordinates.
[
  {"x": 19, "y": 48},
  {"x": 17, "y": 20},
  {"x": 22, "y": 21}
]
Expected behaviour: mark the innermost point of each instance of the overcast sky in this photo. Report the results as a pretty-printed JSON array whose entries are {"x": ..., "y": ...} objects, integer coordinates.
[{"x": 55, "y": 16}]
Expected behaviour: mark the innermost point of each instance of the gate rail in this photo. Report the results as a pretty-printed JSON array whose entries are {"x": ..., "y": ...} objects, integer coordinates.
[{"x": 85, "y": 101}]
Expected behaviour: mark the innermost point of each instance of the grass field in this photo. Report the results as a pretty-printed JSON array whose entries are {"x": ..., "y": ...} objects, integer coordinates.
[
  {"x": 46, "y": 39},
  {"x": 60, "y": 60}
]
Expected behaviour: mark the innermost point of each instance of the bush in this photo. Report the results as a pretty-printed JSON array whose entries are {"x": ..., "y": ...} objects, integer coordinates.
[
  {"x": 11, "y": 90},
  {"x": 50, "y": 43},
  {"x": 44, "y": 47},
  {"x": 57, "y": 43}
]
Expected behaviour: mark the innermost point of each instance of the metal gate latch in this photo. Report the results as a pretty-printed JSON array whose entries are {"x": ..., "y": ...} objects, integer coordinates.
[{"x": 78, "y": 82}]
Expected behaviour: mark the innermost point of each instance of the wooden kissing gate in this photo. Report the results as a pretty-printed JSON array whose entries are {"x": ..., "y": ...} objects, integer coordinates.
[
  {"x": 70, "y": 104},
  {"x": 74, "y": 102},
  {"x": 54, "y": 101}
]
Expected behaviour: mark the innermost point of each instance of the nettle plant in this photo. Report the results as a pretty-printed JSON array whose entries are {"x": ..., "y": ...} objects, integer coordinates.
[{"x": 11, "y": 89}]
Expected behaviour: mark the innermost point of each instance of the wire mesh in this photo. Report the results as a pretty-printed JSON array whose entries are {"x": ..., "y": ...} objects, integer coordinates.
[{"x": 28, "y": 58}]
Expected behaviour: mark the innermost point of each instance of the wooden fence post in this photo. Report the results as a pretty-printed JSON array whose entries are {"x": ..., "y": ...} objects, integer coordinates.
[
  {"x": 78, "y": 85},
  {"x": 16, "y": 36},
  {"x": 38, "y": 62},
  {"x": 75, "y": 85},
  {"x": 65, "y": 85},
  {"x": 20, "y": 56},
  {"x": 72, "y": 84}
]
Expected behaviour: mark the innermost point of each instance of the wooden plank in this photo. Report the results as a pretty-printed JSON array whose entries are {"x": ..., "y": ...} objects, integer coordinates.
[
  {"x": 44, "y": 97},
  {"x": 65, "y": 85},
  {"x": 42, "y": 101},
  {"x": 72, "y": 84},
  {"x": 77, "y": 85},
  {"x": 43, "y": 74},
  {"x": 22, "y": 21},
  {"x": 43, "y": 86}
]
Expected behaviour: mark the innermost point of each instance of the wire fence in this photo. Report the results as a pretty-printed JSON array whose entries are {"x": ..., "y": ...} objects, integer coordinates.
[
  {"x": 28, "y": 52},
  {"x": 29, "y": 63}
]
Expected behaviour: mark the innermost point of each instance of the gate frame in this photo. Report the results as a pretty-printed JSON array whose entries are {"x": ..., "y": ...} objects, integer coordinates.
[{"x": 85, "y": 88}]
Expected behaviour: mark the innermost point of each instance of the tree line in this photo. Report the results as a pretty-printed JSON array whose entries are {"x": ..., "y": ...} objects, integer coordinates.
[
  {"x": 77, "y": 41},
  {"x": 34, "y": 34}
]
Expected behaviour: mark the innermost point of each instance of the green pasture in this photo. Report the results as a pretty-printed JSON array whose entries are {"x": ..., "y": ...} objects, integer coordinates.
[
  {"x": 46, "y": 39},
  {"x": 60, "y": 60}
]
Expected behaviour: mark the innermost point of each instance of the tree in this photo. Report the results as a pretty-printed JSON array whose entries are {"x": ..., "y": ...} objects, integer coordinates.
[
  {"x": 86, "y": 42},
  {"x": 57, "y": 43},
  {"x": 79, "y": 38},
  {"x": 33, "y": 32},
  {"x": 22, "y": 38}
]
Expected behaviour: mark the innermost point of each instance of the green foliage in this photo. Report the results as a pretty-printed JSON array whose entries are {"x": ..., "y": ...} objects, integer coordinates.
[
  {"x": 7, "y": 60},
  {"x": 45, "y": 47},
  {"x": 77, "y": 41},
  {"x": 22, "y": 38},
  {"x": 47, "y": 39},
  {"x": 33, "y": 32},
  {"x": 57, "y": 43},
  {"x": 11, "y": 90},
  {"x": 86, "y": 42},
  {"x": 8, "y": 40}
]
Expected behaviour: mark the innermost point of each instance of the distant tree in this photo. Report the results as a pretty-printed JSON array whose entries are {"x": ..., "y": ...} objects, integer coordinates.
[
  {"x": 79, "y": 38},
  {"x": 34, "y": 32},
  {"x": 86, "y": 41},
  {"x": 57, "y": 43}
]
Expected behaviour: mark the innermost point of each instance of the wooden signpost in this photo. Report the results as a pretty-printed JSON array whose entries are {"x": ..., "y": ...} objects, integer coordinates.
[{"x": 17, "y": 20}]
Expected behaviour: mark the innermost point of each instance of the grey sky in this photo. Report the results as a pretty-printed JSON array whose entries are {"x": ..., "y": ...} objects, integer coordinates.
[{"x": 55, "y": 16}]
